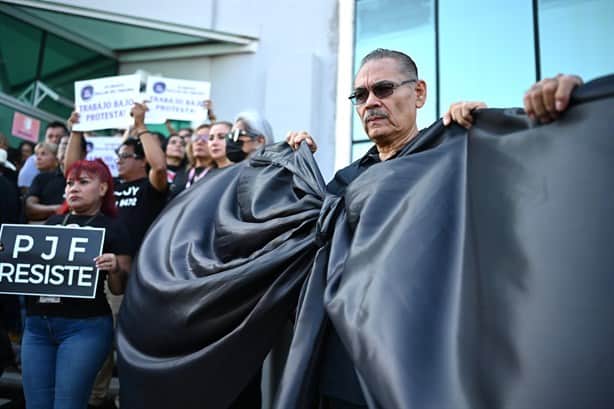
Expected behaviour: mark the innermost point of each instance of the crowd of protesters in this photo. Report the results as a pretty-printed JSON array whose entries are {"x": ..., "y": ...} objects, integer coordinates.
[{"x": 52, "y": 183}]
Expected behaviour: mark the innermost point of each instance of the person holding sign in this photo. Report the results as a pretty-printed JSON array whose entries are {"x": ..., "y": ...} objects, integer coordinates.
[
  {"x": 141, "y": 190},
  {"x": 66, "y": 339}
]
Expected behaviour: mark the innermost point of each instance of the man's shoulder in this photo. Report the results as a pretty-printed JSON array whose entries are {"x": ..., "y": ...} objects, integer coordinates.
[{"x": 50, "y": 174}]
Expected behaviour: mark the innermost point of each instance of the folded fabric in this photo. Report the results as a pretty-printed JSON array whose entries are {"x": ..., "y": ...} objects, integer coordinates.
[{"x": 473, "y": 272}]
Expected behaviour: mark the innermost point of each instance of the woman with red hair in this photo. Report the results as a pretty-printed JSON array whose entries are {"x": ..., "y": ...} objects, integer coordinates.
[{"x": 66, "y": 340}]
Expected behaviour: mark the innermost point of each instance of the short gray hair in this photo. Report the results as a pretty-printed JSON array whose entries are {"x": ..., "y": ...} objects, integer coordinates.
[
  {"x": 51, "y": 147},
  {"x": 407, "y": 65},
  {"x": 256, "y": 124}
]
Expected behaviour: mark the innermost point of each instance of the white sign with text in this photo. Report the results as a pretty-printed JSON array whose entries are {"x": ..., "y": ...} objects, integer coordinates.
[
  {"x": 176, "y": 99},
  {"x": 105, "y": 103},
  {"x": 54, "y": 261}
]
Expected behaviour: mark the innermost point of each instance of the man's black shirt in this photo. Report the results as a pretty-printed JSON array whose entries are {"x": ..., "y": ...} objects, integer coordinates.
[{"x": 346, "y": 175}]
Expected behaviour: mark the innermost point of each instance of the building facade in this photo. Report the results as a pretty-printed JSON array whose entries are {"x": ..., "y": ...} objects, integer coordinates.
[
  {"x": 294, "y": 61},
  {"x": 485, "y": 50}
]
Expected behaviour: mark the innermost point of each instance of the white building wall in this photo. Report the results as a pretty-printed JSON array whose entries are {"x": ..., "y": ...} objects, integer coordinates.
[
  {"x": 185, "y": 68},
  {"x": 291, "y": 78}
]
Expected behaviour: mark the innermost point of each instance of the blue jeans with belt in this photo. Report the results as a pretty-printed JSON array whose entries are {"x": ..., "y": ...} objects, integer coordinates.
[{"x": 60, "y": 358}]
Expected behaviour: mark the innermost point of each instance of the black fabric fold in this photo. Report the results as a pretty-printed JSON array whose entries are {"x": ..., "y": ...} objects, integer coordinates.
[
  {"x": 473, "y": 271},
  {"x": 217, "y": 277}
]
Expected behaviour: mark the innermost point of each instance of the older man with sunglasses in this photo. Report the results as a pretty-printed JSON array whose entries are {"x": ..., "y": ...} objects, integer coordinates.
[{"x": 387, "y": 94}]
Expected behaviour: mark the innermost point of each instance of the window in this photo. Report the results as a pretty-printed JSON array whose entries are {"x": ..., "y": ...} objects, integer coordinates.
[
  {"x": 486, "y": 51},
  {"x": 576, "y": 37}
]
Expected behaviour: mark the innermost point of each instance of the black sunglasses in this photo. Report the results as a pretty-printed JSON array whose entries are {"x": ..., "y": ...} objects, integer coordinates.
[
  {"x": 381, "y": 89},
  {"x": 234, "y": 135}
]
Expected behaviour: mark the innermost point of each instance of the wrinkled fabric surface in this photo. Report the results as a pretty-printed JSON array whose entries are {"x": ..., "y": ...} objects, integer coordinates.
[{"x": 473, "y": 272}]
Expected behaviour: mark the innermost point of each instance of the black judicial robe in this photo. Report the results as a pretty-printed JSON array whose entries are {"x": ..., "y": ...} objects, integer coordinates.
[{"x": 475, "y": 271}]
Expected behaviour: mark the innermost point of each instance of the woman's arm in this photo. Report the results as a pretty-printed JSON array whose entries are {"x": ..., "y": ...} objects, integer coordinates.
[
  {"x": 73, "y": 149},
  {"x": 37, "y": 211}
]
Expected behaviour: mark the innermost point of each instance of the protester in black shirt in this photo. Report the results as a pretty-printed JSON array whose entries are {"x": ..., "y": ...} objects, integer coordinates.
[
  {"x": 45, "y": 195},
  {"x": 46, "y": 192},
  {"x": 138, "y": 198},
  {"x": 141, "y": 189},
  {"x": 66, "y": 340}
]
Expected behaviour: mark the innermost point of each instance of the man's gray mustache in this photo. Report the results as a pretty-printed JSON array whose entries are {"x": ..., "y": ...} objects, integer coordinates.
[{"x": 375, "y": 113}]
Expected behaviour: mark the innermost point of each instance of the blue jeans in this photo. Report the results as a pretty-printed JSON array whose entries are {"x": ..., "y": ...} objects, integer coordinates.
[{"x": 60, "y": 358}]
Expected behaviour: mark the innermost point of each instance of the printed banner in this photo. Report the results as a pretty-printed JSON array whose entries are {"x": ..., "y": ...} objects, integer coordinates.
[
  {"x": 176, "y": 99},
  {"x": 51, "y": 261},
  {"x": 104, "y": 147},
  {"x": 105, "y": 103},
  {"x": 25, "y": 127}
]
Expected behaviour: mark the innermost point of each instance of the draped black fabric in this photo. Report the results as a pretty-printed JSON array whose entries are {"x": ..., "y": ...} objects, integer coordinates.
[{"x": 472, "y": 272}]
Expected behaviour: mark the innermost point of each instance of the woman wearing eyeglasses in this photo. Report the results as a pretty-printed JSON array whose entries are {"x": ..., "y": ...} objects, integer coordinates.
[
  {"x": 66, "y": 340},
  {"x": 199, "y": 160},
  {"x": 176, "y": 160}
]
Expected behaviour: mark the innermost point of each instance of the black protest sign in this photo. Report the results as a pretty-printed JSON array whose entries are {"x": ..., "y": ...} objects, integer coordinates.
[{"x": 53, "y": 261}]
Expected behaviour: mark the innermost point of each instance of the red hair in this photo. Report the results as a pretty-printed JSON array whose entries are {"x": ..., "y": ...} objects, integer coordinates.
[{"x": 96, "y": 168}]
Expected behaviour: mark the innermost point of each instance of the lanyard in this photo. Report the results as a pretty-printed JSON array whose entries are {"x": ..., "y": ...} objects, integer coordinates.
[{"x": 193, "y": 177}]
